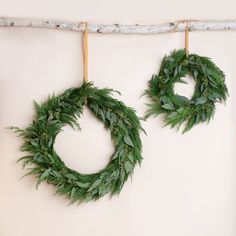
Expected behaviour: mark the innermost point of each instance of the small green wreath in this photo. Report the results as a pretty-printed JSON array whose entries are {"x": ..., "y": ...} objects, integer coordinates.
[
  {"x": 64, "y": 109},
  {"x": 210, "y": 88}
]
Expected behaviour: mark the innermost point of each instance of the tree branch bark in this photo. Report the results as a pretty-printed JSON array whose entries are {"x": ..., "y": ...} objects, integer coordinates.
[{"x": 177, "y": 26}]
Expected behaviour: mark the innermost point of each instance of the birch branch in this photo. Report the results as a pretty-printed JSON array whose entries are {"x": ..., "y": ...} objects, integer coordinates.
[{"x": 177, "y": 26}]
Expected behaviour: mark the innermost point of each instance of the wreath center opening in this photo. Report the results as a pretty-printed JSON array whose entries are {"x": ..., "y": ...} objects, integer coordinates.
[
  {"x": 186, "y": 88},
  {"x": 78, "y": 149}
]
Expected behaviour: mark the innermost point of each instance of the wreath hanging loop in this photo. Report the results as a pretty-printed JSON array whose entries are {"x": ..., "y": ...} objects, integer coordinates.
[
  {"x": 187, "y": 39},
  {"x": 210, "y": 88},
  {"x": 85, "y": 50}
]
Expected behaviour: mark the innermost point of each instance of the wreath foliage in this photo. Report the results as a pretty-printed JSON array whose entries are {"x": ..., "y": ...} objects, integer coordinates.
[
  {"x": 64, "y": 109},
  {"x": 210, "y": 88}
]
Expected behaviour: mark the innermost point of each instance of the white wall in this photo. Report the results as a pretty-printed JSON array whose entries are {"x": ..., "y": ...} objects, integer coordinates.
[{"x": 186, "y": 185}]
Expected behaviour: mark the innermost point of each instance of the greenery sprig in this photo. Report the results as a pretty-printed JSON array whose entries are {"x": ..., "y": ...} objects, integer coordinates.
[
  {"x": 210, "y": 88},
  {"x": 64, "y": 109}
]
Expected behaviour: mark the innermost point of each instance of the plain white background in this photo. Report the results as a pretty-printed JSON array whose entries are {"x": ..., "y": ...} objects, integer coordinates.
[{"x": 186, "y": 185}]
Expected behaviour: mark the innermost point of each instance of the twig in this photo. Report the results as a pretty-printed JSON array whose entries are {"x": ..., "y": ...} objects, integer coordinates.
[{"x": 177, "y": 26}]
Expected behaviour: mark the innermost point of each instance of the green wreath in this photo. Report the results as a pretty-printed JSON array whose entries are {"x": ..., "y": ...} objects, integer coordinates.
[
  {"x": 210, "y": 88},
  {"x": 64, "y": 109}
]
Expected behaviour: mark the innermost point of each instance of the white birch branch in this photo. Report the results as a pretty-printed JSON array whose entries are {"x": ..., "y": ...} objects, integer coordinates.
[{"x": 177, "y": 26}]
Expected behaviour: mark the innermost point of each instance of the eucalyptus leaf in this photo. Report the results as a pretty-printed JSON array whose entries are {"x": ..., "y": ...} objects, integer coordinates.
[
  {"x": 82, "y": 185},
  {"x": 128, "y": 167},
  {"x": 95, "y": 184},
  {"x": 128, "y": 141},
  {"x": 168, "y": 106}
]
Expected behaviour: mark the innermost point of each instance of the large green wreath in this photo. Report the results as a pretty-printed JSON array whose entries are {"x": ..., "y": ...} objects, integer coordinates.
[
  {"x": 64, "y": 109},
  {"x": 210, "y": 88}
]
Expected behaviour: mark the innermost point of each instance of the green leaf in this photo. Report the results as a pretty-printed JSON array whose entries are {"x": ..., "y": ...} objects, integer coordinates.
[
  {"x": 122, "y": 155},
  {"x": 195, "y": 74},
  {"x": 180, "y": 100},
  {"x": 56, "y": 174},
  {"x": 95, "y": 185},
  {"x": 94, "y": 107},
  {"x": 116, "y": 154},
  {"x": 73, "y": 191},
  {"x": 50, "y": 142},
  {"x": 180, "y": 68},
  {"x": 113, "y": 118},
  {"x": 164, "y": 99},
  {"x": 128, "y": 141},
  {"x": 166, "y": 71},
  {"x": 82, "y": 185},
  {"x": 122, "y": 175},
  {"x": 180, "y": 110},
  {"x": 115, "y": 173},
  {"x": 102, "y": 115},
  {"x": 211, "y": 79},
  {"x": 34, "y": 143},
  {"x": 170, "y": 58},
  {"x": 202, "y": 87},
  {"x": 176, "y": 71},
  {"x": 70, "y": 176},
  {"x": 38, "y": 157},
  {"x": 131, "y": 158},
  {"x": 204, "y": 69},
  {"x": 203, "y": 116},
  {"x": 168, "y": 106},
  {"x": 128, "y": 167},
  {"x": 200, "y": 101},
  {"x": 42, "y": 117},
  {"x": 45, "y": 174},
  {"x": 212, "y": 98},
  {"x": 50, "y": 117},
  {"x": 172, "y": 115},
  {"x": 102, "y": 190},
  {"x": 108, "y": 115}
]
